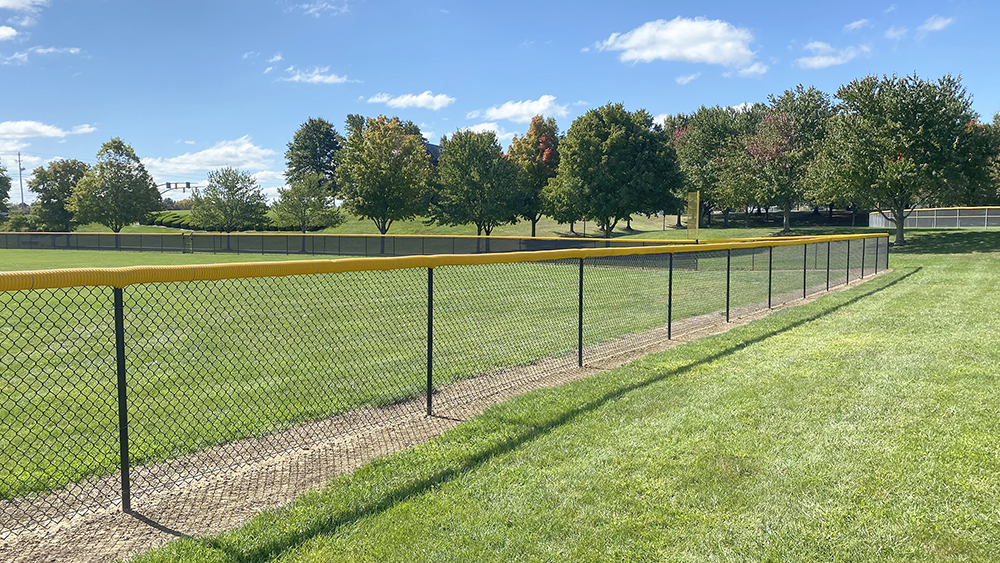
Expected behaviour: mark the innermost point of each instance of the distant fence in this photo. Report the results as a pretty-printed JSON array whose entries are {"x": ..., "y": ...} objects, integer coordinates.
[
  {"x": 944, "y": 217},
  {"x": 308, "y": 244},
  {"x": 120, "y": 382}
]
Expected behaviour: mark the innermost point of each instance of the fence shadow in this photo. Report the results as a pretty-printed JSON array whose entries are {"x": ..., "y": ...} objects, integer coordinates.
[{"x": 475, "y": 459}]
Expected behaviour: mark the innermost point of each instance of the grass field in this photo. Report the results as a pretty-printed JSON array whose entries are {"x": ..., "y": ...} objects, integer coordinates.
[
  {"x": 212, "y": 362},
  {"x": 861, "y": 427}
]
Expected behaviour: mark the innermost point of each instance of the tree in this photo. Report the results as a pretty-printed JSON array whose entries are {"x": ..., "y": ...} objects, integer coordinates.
[
  {"x": 615, "y": 161},
  {"x": 4, "y": 189},
  {"x": 907, "y": 142},
  {"x": 536, "y": 156},
  {"x": 476, "y": 183},
  {"x": 561, "y": 201},
  {"x": 384, "y": 172},
  {"x": 232, "y": 201},
  {"x": 770, "y": 165},
  {"x": 313, "y": 150},
  {"x": 702, "y": 141},
  {"x": 117, "y": 191},
  {"x": 306, "y": 204},
  {"x": 54, "y": 186}
]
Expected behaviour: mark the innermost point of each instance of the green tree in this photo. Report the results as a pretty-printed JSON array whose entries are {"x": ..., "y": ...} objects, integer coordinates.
[
  {"x": 313, "y": 150},
  {"x": 536, "y": 156},
  {"x": 384, "y": 172},
  {"x": 54, "y": 186},
  {"x": 476, "y": 183},
  {"x": 702, "y": 141},
  {"x": 614, "y": 160},
  {"x": 232, "y": 201},
  {"x": 770, "y": 166},
  {"x": 907, "y": 142},
  {"x": 4, "y": 190},
  {"x": 117, "y": 191},
  {"x": 561, "y": 201},
  {"x": 306, "y": 204}
]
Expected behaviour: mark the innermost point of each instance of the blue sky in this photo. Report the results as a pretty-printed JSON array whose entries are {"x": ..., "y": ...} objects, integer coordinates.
[{"x": 194, "y": 85}]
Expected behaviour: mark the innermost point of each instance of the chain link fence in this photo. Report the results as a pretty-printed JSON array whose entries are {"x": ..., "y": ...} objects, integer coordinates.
[
  {"x": 943, "y": 217},
  {"x": 307, "y": 244},
  {"x": 115, "y": 391}
]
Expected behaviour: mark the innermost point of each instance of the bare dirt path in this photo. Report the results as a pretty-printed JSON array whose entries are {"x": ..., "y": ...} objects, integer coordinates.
[{"x": 228, "y": 495}]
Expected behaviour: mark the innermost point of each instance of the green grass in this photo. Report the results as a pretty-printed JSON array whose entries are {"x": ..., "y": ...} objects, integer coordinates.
[
  {"x": 28, "y": 259},
  {"x": 327, "y": 344},
  {"x": 860, "y": 427}
]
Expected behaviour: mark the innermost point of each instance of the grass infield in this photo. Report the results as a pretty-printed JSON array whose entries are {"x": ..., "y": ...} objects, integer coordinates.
[{"x": 860, "y": 427}]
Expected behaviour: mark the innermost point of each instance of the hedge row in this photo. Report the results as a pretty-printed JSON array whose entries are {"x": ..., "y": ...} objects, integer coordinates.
[{"x": 182, "y": 220}]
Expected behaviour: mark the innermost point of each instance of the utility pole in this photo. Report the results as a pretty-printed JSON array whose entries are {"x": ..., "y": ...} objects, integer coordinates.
[{"x": 19, "y": 182}]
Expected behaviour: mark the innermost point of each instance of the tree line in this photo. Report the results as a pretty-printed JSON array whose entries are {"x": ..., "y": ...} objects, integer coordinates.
[{"x": 886, "y": 143}]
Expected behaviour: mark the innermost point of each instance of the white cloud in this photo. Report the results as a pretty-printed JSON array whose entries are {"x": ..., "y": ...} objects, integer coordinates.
[
  {"x": 891, "y": 8},
  {"x": 23, "y": 5},
  {"x": 11, "y": 146},
  {"x": 581, "y": 103},
  {"x": 7, "y": 33},
  {"x": 318, "y": 75},
  {"x": 268, "y": 69},
  {"x": 26, "y": 20},
  {"x": 695, "y": 40},
  {"x": 239, "y": 153},
  {"x": 316, "y": 9},
  {"x": 895, "y": 33},
  {"x": 501, "y": 133},
  {"x": 22, "y": 57},
  {"x": 250, "y": 54},
  {"x": 683, "y": 80},
  {"x": 275, "y": 58},
  {"x": 523, "y": 111},
  {"x": 268, "y": 176},
  {"x": 824, "y": 55},
  {"x": 745, "y": 106},
  {"x": 936, "y": 23},
  {"x": 28, "y": 129},
  {"x": 856, "y": 25},
  {"x": 755, "y": 70},
  {"x": 661, "y": 118},
  {"x": 426, "y": 100}
]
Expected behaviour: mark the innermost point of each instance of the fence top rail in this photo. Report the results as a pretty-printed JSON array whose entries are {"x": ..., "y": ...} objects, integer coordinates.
[
  {"x": 594, "y": 240},
  {"x": 134, "y": 275}
]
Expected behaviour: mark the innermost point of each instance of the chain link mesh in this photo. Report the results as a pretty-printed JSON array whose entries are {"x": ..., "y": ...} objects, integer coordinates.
[{"x": 330, "y": 370}]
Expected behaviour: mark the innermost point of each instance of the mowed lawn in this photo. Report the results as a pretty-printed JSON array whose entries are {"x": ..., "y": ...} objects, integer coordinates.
[
  {"x": 864, "y": 426},
  {"x": 213, "y": 362}
]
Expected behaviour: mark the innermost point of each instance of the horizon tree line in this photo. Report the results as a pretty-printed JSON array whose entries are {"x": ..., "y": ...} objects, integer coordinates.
[{"x": 889, "y": 144}]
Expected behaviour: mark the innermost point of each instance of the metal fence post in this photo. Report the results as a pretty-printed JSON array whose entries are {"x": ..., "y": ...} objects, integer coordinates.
[
  {"x": 805, "y": 266},
  {"x": 670, "y": 298},
  {"x": 430, "y": 339},
  {"x": 848, "y": 278},
  {"x": 863, "y": 257},
  {"x": 579, "y": 333},
  {"x": 122, "y": 400},
  {"x": 729, "y": 260},
  {"x": 878, "y": 242},
  {"x": 770, "y": 273},
  {"x": 828, "y": 265}
]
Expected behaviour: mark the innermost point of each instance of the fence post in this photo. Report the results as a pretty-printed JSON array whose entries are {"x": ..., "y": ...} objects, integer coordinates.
[
  {"x": 670, "y": 298},
  {"x": 805, "y": 266},
  {"x": 729, "y": 260},
  {"x": 579, "y": 333},
  {"x": 770, "y": 273},
  {"x": 878, "y": 242},
  {"x": 122, "y": 400},
  {"x": 828, "y": 265},
  {"x": 430, "y": 339},
  {"x": 863, "y": 257},
  {"x": 848, "y": 278}
]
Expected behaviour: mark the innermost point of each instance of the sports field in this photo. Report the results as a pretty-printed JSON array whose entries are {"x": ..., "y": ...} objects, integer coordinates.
[
  {"x": 861, "y": 427},
  {"x": 212, "y": 362}
]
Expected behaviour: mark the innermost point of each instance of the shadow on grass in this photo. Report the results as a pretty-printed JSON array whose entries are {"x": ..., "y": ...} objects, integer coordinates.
[
  {"x": 268, "y": 550},
  {"x": 938, "y": 241}
]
